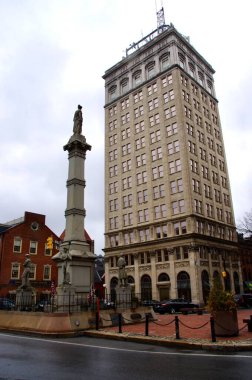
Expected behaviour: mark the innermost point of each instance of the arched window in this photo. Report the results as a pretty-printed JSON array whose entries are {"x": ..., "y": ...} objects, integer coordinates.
[
  {"x": 181, "y": 60},
  {"x": 124, "y": 85},
  {"x": 113, "y": 282},
  {"x": 184, "y": 285},
  {"x": 236, "y": 283},
  {"x": 205, "y": 285},
  {"x": 164, "y": 61},
  {"x": 210, "y": 86},
  {"x": 112, "y": 92},
  {"x": 216, "y": 274},
  {"x": 131, "y": 280},
  {"x": 150, "y": 70},
  {"x": 227, "y": 282},
  {"x": 146, "y": 293},
  {"x": 163, "y": 277},
  {"x": 137, "y": 77},
  {"x": 191, "y": 69},
  {"x": 201, "y": 78}
]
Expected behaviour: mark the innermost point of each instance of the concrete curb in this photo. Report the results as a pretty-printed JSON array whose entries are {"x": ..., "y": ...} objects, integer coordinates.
[{"x": 199, "y": 344}]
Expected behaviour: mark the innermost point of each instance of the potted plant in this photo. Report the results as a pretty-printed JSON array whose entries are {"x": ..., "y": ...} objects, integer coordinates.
[{"x": 223, "y": 308}]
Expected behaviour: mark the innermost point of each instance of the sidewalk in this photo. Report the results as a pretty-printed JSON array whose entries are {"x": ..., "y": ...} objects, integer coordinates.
[{"x": 194, "y": 331}]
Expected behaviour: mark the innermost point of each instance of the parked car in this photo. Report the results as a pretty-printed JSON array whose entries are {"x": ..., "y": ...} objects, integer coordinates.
[
  {"x": 7, "y": 304},
  {"x": 243, "y": 300},
  {"x": 150, "y": 302},
  {"x": 43, "y": 305},
  {"x": 173, "y": 306},
  {"x": 108, "y": 304}
]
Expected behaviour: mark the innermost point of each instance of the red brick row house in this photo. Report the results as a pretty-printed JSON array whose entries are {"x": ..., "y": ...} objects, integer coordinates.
[{"x": 27, "y": 235}]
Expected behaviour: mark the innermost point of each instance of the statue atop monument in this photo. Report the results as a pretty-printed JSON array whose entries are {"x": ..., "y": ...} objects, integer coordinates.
[
  {"x": 65, "y": 256},
  {"x": 78, "y": 119},
  {"x": 123, "y": 278},
  {"x": 26, "y": 273}
]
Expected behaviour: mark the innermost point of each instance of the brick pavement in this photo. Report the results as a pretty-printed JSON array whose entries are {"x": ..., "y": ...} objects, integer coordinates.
[{"x": 194, "y": 331}]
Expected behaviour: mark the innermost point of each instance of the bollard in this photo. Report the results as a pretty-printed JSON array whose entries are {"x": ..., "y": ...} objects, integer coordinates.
[
  {"x": 250, "y": 324},
  {"x": 146, "y": 324},
  {"x": 212, "y": 329},
  {"x": 97, "y": 320},
  {"x": 120, "y": 323},
  {"x": 177, "y": 327}
]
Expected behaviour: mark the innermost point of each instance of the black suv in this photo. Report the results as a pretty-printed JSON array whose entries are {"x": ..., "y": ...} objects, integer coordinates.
[
  {"x": 173, "y": 306},
  {"x": 6, "y": 304},
  {"x": 243, "y": 300}
]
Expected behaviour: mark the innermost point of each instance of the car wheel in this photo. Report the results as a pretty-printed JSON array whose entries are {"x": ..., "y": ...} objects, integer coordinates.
[{"x": 172, "y": 310}]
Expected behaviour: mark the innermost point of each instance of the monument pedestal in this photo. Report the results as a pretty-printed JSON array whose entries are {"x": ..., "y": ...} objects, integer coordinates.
[
  {"x": 25, "y": 298},
  {"x": 67, "y": 300},
  {"x": 123, "y": 297},
  {"x": 79, "y": 271}
]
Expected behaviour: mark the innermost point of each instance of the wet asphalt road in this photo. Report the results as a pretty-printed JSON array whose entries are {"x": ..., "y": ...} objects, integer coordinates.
[{"x": 30, "y": 358}]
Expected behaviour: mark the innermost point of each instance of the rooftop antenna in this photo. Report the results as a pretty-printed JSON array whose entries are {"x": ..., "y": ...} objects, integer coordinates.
[{"x": 160, "y": 17}]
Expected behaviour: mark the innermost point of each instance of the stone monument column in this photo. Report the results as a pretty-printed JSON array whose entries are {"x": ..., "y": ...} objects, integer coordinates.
[{"x": 75, "y": 261}]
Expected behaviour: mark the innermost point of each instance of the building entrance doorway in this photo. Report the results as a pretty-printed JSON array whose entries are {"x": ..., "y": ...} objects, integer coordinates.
[{"x": 164, "y": 293}]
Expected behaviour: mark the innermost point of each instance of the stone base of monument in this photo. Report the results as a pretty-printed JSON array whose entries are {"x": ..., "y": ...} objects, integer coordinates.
[
  {"x": 67, "y": 299},
  {"x": 123, "y": 297},
  {"x": 25, "y": 298}
]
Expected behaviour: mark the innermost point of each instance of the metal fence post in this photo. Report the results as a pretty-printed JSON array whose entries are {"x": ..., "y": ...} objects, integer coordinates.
[
  {"x": 177, "y": 327},
  {"x": 120, "y": 323},
  {"x": 212, "y": 329},
  {"x": 147, "y": 324},
  {"x": 97, "y": 320}
]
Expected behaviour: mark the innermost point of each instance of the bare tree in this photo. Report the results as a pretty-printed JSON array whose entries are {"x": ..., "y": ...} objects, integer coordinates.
[{"x": 245, "y": 225}]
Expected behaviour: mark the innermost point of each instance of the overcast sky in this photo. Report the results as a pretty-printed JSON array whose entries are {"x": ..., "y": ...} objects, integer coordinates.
[{"x": 53, "y": 54}]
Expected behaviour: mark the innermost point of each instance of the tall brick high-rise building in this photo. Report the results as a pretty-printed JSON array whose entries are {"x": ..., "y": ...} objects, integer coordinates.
[{"x": 168, "y": 199}]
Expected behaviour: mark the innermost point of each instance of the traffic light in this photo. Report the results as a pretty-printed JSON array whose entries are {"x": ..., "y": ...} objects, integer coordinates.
[
  {"x": 224, "y": 274},
  {"x": 49, "y": 242}
]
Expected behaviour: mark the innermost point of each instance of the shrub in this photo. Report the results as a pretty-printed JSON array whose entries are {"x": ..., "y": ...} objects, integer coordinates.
[{"x": 219, "y": 299}]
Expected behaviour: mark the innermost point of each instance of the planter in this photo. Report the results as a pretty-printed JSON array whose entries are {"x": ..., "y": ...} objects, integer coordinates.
[{"x": 226, "y": 323}]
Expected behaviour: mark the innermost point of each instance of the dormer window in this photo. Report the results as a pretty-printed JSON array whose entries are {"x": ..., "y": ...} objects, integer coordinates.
[
  {"x": 124, "y": 85},
  {"x": 201, "y": 78},
  {"x": 164, "y": 61},
  {"x": 181, "y": 60},
  {"x": 191, "y": 69},
  {"x": 137, "y": 77},
  {"x": 150, "y": 70},
  {"x": 112, "y": 92}
]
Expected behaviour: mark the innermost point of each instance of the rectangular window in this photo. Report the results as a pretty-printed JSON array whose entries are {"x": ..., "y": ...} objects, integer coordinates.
[
  {"x": 171, "y": 129},
  {"x": 47, "y": 273},
  {"x": 48, "y": 252},
  {"x": 170, "y": 112},
  {"x": 167, "y": 80},
  {"x": 17, "y": 244},
  {"x": 178, "y": 206},
  {"x": 15, "y": 271},
  {"x": 32, "y": 274},
  {"x": 33, "y": 247},
  {"x": 139, "y": 127},
  {"x": 155, "y": 136}
]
